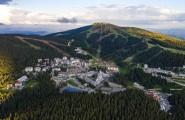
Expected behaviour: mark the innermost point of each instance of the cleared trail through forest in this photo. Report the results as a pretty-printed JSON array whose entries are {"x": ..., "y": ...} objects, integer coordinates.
[{"x": 46, "y": 42}]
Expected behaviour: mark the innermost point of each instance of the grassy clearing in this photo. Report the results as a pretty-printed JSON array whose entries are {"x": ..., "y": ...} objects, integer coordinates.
[
  {"x": 31, "y": 83},
  {"x": 174, "y": 50},
  {"x": 72, "y": 83},
  {"x": 183, "y": 82},
  {"x": 178, "y": 79},
  {"x": 127, "y": 67},
  {"x": 70, "y": 42},
  {"x": 129, "y": 59},
  {"x": 130, "y": 84},
  {"x": 150, "y": 45},
  {"x": 31, "y": 45}
]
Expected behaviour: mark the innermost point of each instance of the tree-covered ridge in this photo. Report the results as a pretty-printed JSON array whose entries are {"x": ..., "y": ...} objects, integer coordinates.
[{"x": 157, "y": 56}]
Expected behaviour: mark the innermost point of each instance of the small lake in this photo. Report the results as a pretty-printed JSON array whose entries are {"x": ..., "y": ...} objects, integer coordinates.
[{"x": 71, "y": 89}]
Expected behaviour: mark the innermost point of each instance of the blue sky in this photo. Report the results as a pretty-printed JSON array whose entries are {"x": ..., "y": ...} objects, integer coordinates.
[
  {"x": 45, "y": 5},
  {"x": 48, "y": 16}
]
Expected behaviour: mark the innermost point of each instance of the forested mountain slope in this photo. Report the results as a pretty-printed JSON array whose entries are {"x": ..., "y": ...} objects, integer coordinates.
[
  {"x": 112, "y": 42},
  {"x": 16, "y": 54}
]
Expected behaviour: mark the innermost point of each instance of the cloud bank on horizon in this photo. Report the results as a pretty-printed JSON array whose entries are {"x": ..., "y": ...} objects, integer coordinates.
[{"x": 145, "y": 16}]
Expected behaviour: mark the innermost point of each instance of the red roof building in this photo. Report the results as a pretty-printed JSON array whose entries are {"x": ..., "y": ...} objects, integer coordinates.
[{"x": 18, "y": 84}]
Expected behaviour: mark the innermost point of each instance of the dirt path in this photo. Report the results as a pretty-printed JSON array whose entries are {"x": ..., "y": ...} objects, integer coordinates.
[{"x": 102, "y": 37}]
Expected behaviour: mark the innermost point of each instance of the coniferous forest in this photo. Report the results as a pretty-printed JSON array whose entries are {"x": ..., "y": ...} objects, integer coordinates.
[{"x": 45, "y": 102}]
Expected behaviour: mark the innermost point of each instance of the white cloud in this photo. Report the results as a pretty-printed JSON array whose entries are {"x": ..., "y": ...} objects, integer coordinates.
[
  {"x": 141, "y": 15},
  {"x": 137, "y": 16},
  {"x": 11, "y": 15},
  {"x": 5, "y": 14}
]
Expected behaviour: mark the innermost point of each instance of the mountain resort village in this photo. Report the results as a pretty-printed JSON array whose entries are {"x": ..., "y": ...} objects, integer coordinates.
[{"x": 76, "y": 75}]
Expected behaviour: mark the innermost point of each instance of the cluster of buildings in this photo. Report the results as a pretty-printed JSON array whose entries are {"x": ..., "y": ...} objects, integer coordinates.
[
  {"x": 179, "y": 68},
  {"x": 88, "y": 77},
  {"x": 74, "y": 72},
  {"x": 19, "y": 84},
  {"x": 67, "y": 69},
  {"x": 155, "y": 71},
  {"x": 79, "y": 70},
  {"x": 160, "y": 97},
  {"x": 162, "y": 100},
  {"x": 165, "y": 74},
  {"x": 112, "y": 67},
  {"x": 43, "y": 65}
]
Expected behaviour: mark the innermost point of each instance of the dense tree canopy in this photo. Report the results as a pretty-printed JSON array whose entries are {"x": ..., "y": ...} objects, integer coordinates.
[{"x": 45, "y": 102}]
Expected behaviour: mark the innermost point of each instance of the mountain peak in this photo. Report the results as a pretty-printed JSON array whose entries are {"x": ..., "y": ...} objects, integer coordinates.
[
  {"x": 101, "y": 23},
  {"x": 105, "y": 26}
]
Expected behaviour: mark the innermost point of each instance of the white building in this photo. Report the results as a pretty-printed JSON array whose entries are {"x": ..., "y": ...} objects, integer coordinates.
[
  {"x": 85, "y": 64},
  {"x": 18, "y": 85},
  {"x": 46, "y": 60},
  {"x": 181, "y": 75},
  {"x": 58, "y": 80},
  {"x": 113, "y": 68},
  {"x": 159, "y": 70},
  {"x": 56, "y": 69},
  {"x": 23, "y": 79},
  {"x": 39, "y": 60},
  {"x": 37, "y": 69},
  {"x": 57, "y": 60},
  {"x": 29, "y": 69},
  {"x": 45, "y": 69},
  {"x": 101, "y": 77},
  {"x": 64, "y": 58},
  {"x": 72, "y": 58},
  {"x": 75, "y": 61},
  {"x": 77, "y": 49},
  {"x": 145, "y": 66},
  {"x": 183, "y": 66}
]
